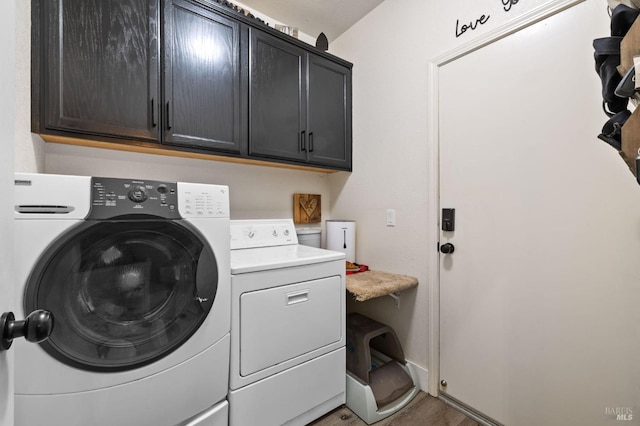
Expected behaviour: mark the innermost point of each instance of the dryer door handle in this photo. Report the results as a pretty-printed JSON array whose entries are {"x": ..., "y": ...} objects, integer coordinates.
[
  {"x": 36, "y": 328},
  {"x": 297, "y": 297}
]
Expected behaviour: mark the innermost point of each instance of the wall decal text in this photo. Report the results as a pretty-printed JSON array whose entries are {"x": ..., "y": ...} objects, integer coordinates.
[
  {"x": 506, "y": 4},
  {"x": 472, "y": 25}
]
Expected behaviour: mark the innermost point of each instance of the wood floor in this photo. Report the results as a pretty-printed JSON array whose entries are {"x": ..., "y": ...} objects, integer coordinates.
[{"x": 423, "y": 410}]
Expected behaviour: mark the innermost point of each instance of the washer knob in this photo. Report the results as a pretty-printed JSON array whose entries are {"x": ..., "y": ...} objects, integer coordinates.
[{"x": 138, "y": 194}]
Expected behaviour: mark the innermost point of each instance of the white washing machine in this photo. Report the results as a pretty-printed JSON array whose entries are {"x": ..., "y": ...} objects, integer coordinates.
[
  {"x": 287, "y": 326},
  {"x": 136, "y": 275}
]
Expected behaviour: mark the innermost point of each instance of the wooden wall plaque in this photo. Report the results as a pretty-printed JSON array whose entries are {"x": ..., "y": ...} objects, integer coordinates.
[{"x": 307, "y": 208}]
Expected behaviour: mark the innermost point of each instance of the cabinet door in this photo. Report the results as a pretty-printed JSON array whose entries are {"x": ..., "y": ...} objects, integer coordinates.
[
  {"x": 277, "y": 108},
  {"x": 329, "y": 113},
  {"x": 101, "y": 67},
  {"x": 202, "y": 79}
]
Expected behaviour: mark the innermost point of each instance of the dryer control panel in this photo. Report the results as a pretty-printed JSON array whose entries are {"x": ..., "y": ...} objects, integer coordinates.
[
  {"x": 262, "y": 233},
  {"x": 111, "y": 197}
]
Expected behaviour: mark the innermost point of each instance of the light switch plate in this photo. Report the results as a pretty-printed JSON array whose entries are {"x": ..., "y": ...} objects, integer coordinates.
[{"x": 391, "y": 217}]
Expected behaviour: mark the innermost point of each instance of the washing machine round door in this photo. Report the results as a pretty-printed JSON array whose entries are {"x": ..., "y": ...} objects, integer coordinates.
[{"x": 123, "y": 293}]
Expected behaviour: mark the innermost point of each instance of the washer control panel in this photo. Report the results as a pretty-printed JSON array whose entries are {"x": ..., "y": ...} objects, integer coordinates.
[
  {"x": 262, "y": 233},
  {"x": 201, "y": 200},
  {"x": 111, "y": 197}
]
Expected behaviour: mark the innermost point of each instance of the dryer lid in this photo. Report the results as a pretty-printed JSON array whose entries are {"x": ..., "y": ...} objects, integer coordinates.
[{"x": 267, "y": 258}]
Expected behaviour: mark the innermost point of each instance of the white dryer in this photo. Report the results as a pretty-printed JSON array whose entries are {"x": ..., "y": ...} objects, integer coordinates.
[
  {"x": 136, "y": 275},
  {"x": 287, "y": 326}
]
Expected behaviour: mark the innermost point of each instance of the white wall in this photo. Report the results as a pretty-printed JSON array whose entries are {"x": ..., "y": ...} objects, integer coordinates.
[
  {"x": 29, "y": 148},
  {"x": 389, "y": 160},
  {"x": 391, "y": 49},
  {"x": 255, "y": 191}
]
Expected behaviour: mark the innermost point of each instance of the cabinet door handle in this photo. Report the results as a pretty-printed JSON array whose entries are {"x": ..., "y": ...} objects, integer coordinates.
[
  {"x": 310, "y": 141},
  {"x": 168, "y": 117},
  {"x": 303, "y": 142},
  {"x": 153, "y": 113}
]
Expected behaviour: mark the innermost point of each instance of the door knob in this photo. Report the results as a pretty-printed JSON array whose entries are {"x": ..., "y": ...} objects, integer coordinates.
[
  {"x": 37, "y": 327},
  {"x": 447, "y": 248}
]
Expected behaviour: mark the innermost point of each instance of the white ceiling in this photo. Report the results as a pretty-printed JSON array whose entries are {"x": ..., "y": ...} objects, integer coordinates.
[{"x": 312, "y": 17}]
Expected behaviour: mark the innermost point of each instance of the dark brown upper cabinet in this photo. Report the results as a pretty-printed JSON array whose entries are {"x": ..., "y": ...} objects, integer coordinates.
[
  {"x": 328, "y": 112},
  {"x": 277, "y": 100},
  {"x": 202, "y": 79},
  {"x": 189, "y": 77},
  {"x": 299, "y": 104},
  {"x": 100, "y": 67}
]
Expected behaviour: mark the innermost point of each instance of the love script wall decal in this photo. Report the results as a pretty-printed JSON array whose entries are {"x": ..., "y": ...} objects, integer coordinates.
[{"x": 473, "y": 24}]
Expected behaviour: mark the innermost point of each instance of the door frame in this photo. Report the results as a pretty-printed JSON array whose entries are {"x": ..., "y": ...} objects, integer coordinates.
[
  {"x": 433, "y": 189},
  {"x": 9, "y": 24}
]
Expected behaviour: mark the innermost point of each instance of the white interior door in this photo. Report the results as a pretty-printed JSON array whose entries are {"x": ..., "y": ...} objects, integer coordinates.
[
  {"x": 540, "y": 301},
  {"x": 7, "y": 124}
]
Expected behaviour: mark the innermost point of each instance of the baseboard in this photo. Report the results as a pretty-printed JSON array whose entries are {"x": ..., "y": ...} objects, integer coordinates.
[
  {"x": 468, "y": 411},
  {"x": 422, "y": 374}
]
